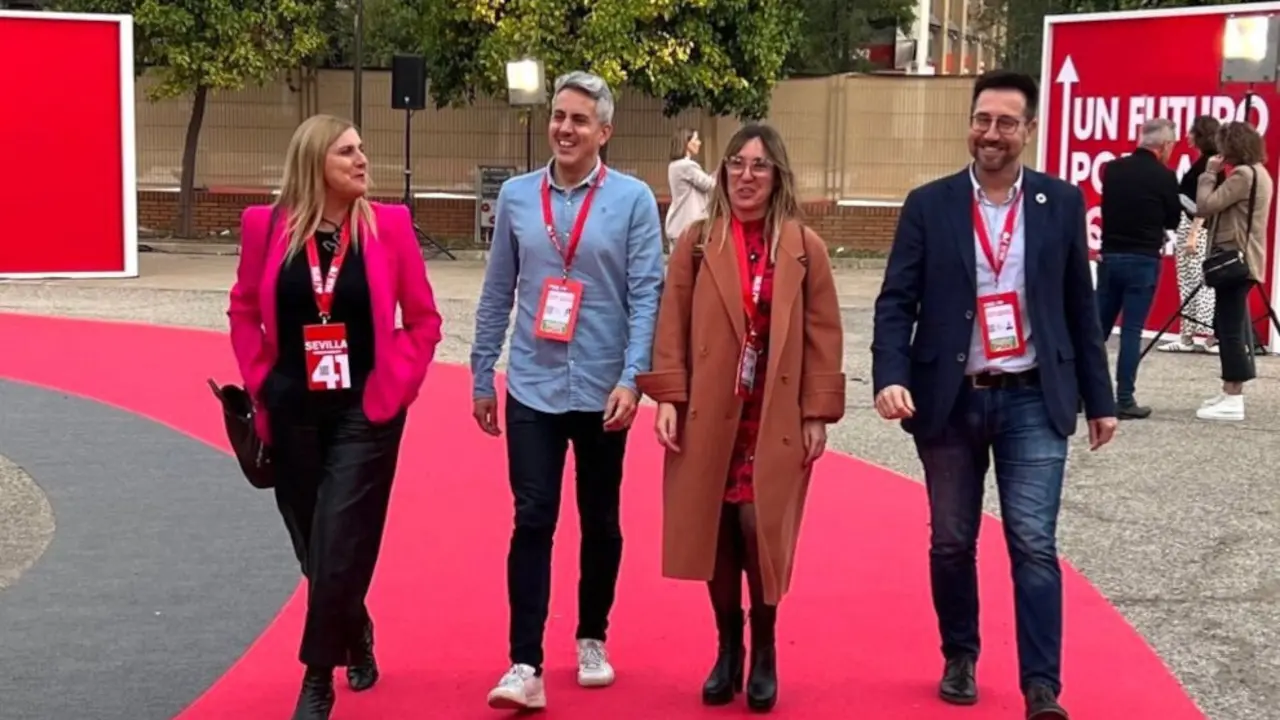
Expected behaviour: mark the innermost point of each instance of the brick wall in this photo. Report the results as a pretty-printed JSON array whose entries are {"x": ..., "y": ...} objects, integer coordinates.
[{"x": 862, "y": 229}]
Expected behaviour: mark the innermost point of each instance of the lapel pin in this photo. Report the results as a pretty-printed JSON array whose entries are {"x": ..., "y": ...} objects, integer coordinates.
[{"x": 1040, "y": 198}]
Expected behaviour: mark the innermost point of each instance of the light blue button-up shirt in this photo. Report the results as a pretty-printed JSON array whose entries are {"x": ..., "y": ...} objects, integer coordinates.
[{"x": 618, "y": 262}]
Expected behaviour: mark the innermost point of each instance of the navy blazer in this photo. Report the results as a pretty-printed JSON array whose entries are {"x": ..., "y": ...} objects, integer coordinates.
[{"x": 930, "y": 288}]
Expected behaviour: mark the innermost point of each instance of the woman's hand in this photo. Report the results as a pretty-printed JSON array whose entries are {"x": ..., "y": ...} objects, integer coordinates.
[
  {"x": 1214, "y": 165},
  {"x": 666, "y": 427},
  {"x": 815, "y": 440}
]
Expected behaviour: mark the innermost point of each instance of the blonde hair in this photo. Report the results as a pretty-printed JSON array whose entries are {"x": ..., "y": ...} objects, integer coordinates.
[
  {"x": 783, "y": 203},
  {"x": 303, "y": 188}
]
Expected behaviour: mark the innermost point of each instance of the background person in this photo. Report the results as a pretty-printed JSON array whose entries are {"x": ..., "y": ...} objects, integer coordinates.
[
  {"x": 1140, "y": 207},
  {"x": 689, "y": 184},
  {"x": 733, "y": 492},
  {"x": 1192, "y": 245},
  {"x": 333, "y": 269},
  {"x": 1238, "y": 208}
]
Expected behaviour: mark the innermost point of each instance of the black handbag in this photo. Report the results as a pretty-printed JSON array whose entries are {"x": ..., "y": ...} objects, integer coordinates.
[
  {"x": 1226, "y": 267},
  {"x": 238, "y": 416}
]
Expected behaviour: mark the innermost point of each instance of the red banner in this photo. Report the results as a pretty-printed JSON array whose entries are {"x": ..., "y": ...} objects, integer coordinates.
[
  {"x": 1104, "y": 75},
  {"x": 67, "y": 84}
]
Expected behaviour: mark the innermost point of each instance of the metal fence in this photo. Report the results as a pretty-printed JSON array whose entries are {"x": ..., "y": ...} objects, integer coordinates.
[{"x": 849, "y": 137}]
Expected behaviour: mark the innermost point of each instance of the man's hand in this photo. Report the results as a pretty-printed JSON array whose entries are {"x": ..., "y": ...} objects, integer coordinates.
[
  {"x": 667, "y": 427},
  {"x": 814, "y": 433},
  {"x": 1101, "y": 430},
  {"x": 485, "y": 411},
  {"x": 621, "y": 409},
  {"x": 894, "y": 403}
]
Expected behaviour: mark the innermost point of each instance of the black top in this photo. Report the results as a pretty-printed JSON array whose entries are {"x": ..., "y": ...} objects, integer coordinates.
[
  {"x": 1187, "y": 187},
  {"x": 1139, "y": 202},
  {"x": 296, "y": 307}
]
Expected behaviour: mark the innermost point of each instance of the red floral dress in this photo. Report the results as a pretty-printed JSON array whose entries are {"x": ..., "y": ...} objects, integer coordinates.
[{"x": 740, "y": 486}]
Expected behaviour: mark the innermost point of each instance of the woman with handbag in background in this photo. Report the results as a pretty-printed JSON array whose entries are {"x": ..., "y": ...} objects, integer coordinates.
[
  {"x": 747, "y": 371},
  {"x": 1237, "y": 208},
  {"x": 1192, "y": 247},
  {"x": 313, "y": 326}
]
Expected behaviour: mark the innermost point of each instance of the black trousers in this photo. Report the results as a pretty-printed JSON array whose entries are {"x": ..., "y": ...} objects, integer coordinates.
[
  {"x": 537, "y": 444},
  {"x": 333, "y": 486},
  {"x": 1234, "y": 329}
]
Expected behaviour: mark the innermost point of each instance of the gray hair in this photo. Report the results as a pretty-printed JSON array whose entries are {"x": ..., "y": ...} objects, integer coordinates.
[
  {"x": 594, "y": 87},
  {"x": 1158, "y": 132}
]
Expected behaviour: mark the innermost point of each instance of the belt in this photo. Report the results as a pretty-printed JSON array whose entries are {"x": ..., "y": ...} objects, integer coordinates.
[{"x": 1005, "y": 381}]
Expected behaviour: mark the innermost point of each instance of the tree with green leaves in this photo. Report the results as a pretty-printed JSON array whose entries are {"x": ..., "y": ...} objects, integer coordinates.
[
  {"x": 721, "y": 55},
  {"x": 196, "y": 46}
]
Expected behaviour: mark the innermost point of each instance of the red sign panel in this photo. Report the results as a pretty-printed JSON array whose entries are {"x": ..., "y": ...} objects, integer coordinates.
[
  {"x": 67, "y": 84},
  {"x": 1095, "y": 98}
]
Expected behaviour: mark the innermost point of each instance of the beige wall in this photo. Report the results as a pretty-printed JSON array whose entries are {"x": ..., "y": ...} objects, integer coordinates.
[{"x": 849, "y": 137}]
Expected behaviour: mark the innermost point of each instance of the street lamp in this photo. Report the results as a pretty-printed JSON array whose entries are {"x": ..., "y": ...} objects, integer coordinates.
[
  {"x": 1250, "y": 52},
  {"x": 527, "y": 88},
  {"x": 357, "y": 79}
]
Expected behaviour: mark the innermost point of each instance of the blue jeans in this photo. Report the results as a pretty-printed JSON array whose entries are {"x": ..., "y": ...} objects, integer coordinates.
[
  {"x": 1013, "y": 426},
  {"x": 1126, "y": 284}
]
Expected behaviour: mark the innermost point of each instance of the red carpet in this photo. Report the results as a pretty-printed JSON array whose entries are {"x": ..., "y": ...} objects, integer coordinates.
[{"x": 858, "y": 633}]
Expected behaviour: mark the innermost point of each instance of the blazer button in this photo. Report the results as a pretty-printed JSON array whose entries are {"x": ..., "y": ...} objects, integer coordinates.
[
  {"x": 968, "y": 314},
  {"x": 960, "y": 357}
]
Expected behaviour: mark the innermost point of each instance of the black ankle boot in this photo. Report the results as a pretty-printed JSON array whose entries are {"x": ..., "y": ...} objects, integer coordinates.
[
  {"x": 762, "y": 685},
  {"x": 725, "y": 679},
  {"x": 362, "y": 670},
  {"x": 315, "y": 702}
]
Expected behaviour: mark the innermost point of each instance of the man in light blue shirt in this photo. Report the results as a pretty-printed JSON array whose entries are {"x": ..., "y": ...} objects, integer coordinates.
[{"x": 577, "y": 249}]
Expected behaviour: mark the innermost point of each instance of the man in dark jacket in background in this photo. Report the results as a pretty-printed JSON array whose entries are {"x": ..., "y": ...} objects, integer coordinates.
[{"x": 1140, "y": 208}]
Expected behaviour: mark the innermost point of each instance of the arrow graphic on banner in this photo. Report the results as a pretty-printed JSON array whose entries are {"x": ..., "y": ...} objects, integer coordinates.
[{"x": 1066, "y": 78}]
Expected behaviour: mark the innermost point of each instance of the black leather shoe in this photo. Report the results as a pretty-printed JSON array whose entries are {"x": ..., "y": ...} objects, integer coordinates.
[
  {"x": 762, "y": 684},
  {"x": 725, "y": 679},
  {"x": 315, "y": 702},
  {"x": 362, "y": 671},
  {"x": 1042, "y": 704},
  {"x": 958, "y": 685}
]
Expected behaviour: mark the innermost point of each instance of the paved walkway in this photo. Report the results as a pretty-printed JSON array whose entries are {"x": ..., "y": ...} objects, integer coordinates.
[{"x": 1175, "y": 522}]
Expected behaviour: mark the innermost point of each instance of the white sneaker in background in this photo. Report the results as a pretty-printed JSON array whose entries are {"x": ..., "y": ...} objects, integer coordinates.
[
  {"x": 1226, "y": 408},
  {"x": 594, "y": 669},
  {"x": 519, "y": 689}
]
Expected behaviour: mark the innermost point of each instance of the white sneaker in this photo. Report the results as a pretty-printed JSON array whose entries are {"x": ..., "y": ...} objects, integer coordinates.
[
  {"x": 594, "y": 669},
  {"x": 519, "y": 689},
  {"x": 1228, "y": 408},
  {"x": 1212, "y": 401}
]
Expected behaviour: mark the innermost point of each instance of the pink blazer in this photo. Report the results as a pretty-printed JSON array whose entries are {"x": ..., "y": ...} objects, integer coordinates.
[{"x": 397, "y": 275}]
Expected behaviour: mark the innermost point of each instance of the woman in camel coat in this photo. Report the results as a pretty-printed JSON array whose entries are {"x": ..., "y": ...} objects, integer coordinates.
[{"x": 741, "y": 441}]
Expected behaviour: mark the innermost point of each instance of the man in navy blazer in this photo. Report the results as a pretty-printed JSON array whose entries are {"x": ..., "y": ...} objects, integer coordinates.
[{"x": 986, "y": 338}]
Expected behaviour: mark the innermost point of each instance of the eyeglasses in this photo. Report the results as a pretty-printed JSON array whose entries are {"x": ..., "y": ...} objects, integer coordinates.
[
  {"x": 1005, "y": 124},
  {"x": 739, "y": 165}
]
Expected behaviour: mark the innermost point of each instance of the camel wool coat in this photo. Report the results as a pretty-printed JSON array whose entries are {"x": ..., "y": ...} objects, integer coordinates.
[{"x": 700, "y": 331}]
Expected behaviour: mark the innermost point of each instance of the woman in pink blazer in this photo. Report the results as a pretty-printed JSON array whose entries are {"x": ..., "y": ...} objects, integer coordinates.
[{"x": 313, "y": 325}]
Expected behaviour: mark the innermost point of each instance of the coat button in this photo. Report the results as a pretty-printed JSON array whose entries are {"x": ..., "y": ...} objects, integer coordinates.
[
  {"x": 703, "y": 350},
  {"x": 960, "y": 357},
  {"x": 693, "y": 414},
  {"x": 786, "y": 440},
  {"x": 968, "y": 314},
  {"x": 784, "y": 379}
]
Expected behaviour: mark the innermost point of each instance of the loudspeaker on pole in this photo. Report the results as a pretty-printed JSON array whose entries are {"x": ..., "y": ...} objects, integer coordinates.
[{"x": 408, "y": 82}]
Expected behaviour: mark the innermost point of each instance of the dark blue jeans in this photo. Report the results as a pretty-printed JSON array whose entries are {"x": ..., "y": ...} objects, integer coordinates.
[
  {"x": 1126, "y": 284},
  {"x": 1013, "y": 426}
]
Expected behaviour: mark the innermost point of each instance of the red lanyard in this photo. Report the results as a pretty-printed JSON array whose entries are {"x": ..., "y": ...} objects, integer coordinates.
[
  {"x": 568, "y": 251},
  {"x": 324, "y": 288},
  {"x": 996, "y": 257},
  {"x": 752, "y": 278}
]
